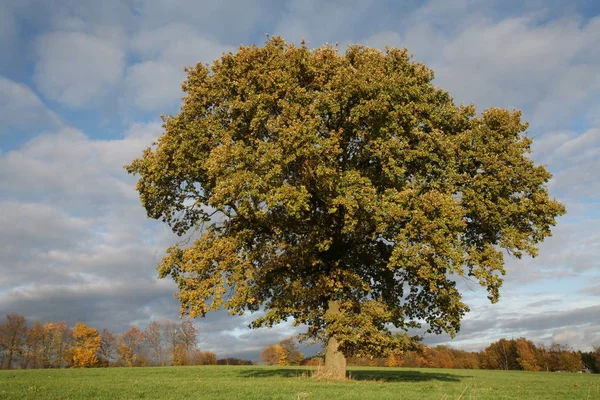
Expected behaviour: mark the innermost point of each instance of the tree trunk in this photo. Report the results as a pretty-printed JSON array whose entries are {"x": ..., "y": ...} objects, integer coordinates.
[{"x": 335, "y": 362}]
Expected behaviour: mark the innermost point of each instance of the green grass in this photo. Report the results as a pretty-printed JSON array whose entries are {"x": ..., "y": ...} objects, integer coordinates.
[{"x": 254, "y": 382}]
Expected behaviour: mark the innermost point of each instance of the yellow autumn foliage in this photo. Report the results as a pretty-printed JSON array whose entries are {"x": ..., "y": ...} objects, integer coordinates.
[{"x": 86, "y": 344}]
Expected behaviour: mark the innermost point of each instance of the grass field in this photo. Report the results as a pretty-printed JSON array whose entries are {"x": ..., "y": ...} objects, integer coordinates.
[{"x": 254, "y": 382}]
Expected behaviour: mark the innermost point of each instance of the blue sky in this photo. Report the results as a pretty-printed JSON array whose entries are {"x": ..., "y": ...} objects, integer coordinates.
[{"x": 83, "y": 83}]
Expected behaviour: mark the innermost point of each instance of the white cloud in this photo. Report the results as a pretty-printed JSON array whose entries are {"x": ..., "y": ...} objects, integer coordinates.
[
  {"x": 233, "y": 22},
  {"x": 155, "y": 84},
  {"x": 593, "y": 290},
  {"x": 29, "y": 223},
  {"x": 21, "y": 109},
  {"x": 570, "y": 252},
  {"x": 574, "y": 159},
  {"x": 60, "y": 169},
  {"x": 68, "y": 169},
  {"x": 75, "y": 240},
  {"x": 318, "y": 22},
  {"x": 114, "y": 304},
  {"x": 554, "y": 317},
  {"x": 75, "y": 68},
  {"x": 547, "y": 68},
  {"x": 565, "y": 335}
]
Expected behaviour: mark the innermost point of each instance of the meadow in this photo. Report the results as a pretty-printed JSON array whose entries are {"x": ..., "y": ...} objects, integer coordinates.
[{"x": 257, "y": 382}]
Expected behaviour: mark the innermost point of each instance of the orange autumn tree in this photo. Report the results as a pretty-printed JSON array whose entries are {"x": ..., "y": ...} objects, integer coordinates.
[
  {"x": 130, "y": 346},
  {"x": 526, "y": 355},
  {"x": 86, "y": 344}
]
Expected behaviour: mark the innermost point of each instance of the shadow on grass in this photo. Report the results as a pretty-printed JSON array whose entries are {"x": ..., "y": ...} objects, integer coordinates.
[
  {"x": 358, "y": 375},
  {"x": 403, "y": 376}
]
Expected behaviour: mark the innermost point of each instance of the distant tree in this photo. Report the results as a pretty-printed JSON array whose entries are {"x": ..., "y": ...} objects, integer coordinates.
[
  {"x": 526, "y": 355},
  {"x": 155, "y": 342},
  {"x": 187, "y": 340},
  {"x": 315, "y": 361},
  {"x": 13, "y": 336},
  {"x": 203, "y": 357},
  {"x": 392, "y": 361},
  {"x": 273, "y": 355},
  {"x": 563, "y": 358},
  {"x": 126, "y": 357},
  {"x": 85, "y": 346},
  {"x": 130, "y": 348},
  {"x": 108, "y": 347},
  {"x": 181, "y": 355},
  {"x": 591, "y": 359},
  {"x": 439, "y": 357},
  {"x": 571, "y": 361},
  {"x": 465, "y": 359},
  {"x": 34, "y": 346},
  {"x": 364, "y": 361},
  {"x": 523, "y": 354},
  {"x": 292, "y": 355},
  {"x": 422, "y": 357},
  {"x": 57, "y": 340},
  {"x": 414, "y": 359},
  {"x": 501, "y": 355},
  {"x": 171, "y": 334},
  {"x": 283, "y": 353},
  {"x": 181, "y": 338},
  {"x": 233, "y": 361},
  {"x": 541, "y": 357}
]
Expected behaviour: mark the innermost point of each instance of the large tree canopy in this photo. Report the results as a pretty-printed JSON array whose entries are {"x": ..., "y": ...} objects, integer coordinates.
[{"x": 345, "y": 191}]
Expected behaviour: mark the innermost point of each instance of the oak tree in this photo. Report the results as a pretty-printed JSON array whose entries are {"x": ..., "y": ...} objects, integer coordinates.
[{"x": 343, "y": 190}]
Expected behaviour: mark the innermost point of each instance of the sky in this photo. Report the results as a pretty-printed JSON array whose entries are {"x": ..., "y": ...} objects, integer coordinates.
[{"x": 83, "y": 84}]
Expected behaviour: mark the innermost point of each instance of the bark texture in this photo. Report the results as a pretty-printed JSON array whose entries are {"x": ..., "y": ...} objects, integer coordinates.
[{"x": 335, "y": 361}]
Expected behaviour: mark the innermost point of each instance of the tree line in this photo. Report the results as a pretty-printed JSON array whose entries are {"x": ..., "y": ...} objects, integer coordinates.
[
  {"x": 163, "y": 343},
  {"x": 56, "y": 345},
  {"x": 504, "y": 354}
]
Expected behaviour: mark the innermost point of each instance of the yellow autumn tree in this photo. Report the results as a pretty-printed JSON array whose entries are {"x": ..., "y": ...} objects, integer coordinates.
[
  {"x": 86, "y": 344},
  {"x": 392, "y": 361},
  {"x": 274, "y": 355},
  {"x": 126, "y": 356}
]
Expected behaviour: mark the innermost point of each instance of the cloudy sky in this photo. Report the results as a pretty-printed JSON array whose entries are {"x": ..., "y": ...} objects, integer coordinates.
[{"x": 83, "y": 83}]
